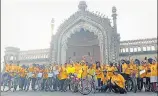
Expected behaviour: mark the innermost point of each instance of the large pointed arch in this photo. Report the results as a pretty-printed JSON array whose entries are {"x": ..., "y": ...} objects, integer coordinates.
[{"x": 87, "y": 24}]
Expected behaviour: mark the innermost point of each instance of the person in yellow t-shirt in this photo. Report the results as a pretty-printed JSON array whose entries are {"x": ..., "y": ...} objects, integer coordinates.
[
  {"x": 91, "y": 73},
  {"x": 70, "y": 69},
  {"x": 124, "y": 67},
  {"x": 143, "y": 67},
  {"x": 99, "y": 75},
  {"x": 84, "y": 70},
  {"x": 94, "y": 66},
  {"x": 23, "y": 74},
  {"x": 33, "y": 69},
  {"x": 127, "y": 70},
  {"x": 154, "y": 74},
  {"x": 110, "y": 71},
  {"x": 133, "y": 68},
  {"x": 63, "y": 77},
  {"x": 118, "y": 83},
  {"x": 77, "y": 68},
  {"x": 104, "y": 79},
  {"x": 148, "y": 74},
  {"x": 7, "y": 66},
  {"x": 45, "y": 77}
]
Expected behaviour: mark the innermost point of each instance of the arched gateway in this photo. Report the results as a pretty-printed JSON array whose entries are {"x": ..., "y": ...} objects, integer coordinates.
[{"x": 86, "y": 33}]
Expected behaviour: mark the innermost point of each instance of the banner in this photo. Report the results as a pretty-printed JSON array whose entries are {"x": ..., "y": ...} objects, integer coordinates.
[
  {"x": 39, "y": 75},
  {"x": 141, "y": 72}
]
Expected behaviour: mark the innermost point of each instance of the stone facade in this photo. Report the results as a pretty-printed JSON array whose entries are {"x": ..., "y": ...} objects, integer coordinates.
[{"x": 107, "y": 44}]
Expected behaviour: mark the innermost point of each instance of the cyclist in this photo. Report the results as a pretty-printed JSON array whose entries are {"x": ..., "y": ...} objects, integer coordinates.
[
  {"x": 124, "y": 67},
  {"x": 63, "y": 76},
  {"x": 55, "y": 76},
  {"x": 45, "y": 77},
  {"x": 33, "y": 71},
  {"x": 118, "y": 83},
  {"x": 148, "y": 74},
  {"x": 154, "y": 74},
  {"x": 23, "y": 74},
  {"x": 99, "y": 74},
  {"x": 105, "y": 81}
]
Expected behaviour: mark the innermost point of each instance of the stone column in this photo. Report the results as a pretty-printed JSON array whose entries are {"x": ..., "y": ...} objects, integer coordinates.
[{"x": 101, "y": 52}]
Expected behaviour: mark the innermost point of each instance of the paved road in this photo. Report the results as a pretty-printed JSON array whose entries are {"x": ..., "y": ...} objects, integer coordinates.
[{"x": 32, "y": 93}]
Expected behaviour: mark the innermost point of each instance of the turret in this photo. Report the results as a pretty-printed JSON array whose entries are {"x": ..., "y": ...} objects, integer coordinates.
[
  {"x": 51, "y": 43},
  {"x": 52, "y": 26},
  {"x": 114, "y": 16},
  {"x": 82, "y": 6}
]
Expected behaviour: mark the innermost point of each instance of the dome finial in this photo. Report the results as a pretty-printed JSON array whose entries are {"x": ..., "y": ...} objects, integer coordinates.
[
  {"x": 82, "y": 6},
  {"x": 114, "y": 9}
]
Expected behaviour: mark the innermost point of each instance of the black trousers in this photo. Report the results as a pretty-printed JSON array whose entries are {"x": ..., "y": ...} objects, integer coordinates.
[
  {"x": 118, "y": 89},
  {"x": 33, "y": 83},
  {"x": 55, "y": 83},
  {"x": 100, "y": 83},
  {"x": 62, "y": 84},
  {"x": 44, "y": 84},
  {"x": 140, "y": 83},
  {"x": 148, "y": 83}
]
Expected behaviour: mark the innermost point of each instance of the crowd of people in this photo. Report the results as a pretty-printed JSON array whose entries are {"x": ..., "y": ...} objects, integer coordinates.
[{"x": 116, "y": 74}]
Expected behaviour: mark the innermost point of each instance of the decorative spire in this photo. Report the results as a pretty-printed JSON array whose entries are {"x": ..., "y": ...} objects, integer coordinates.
[
  {"x": 52, "y": 26},
  {"x": 114, "y": 15},
  {"x": 52, "y": 21},
  {"x": 82, "y": 6},
  {"x": 114, "y": 12}
]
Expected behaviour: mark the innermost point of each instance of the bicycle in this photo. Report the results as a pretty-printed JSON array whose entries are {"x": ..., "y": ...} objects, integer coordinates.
[
  {"x": 73, "y": 82},
  {"x": 6, "y": 82},
  {"x": 15, "y": 82},
  {"x": 129, "y": 84},
  {"x": 28, "y": 82},
  {"x": 38, "y": 84},
  {"x": 49, "y": 82},
  {"x": 84, "y": 86},
  {"x": 92, "y": 81}
]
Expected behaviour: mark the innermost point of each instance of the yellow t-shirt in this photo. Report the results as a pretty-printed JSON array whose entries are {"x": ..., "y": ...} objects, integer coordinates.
[
  {"x": 84, "y": 71},
  {"x": 119, "y": 80},
  {"x": 79, "y": 75},
  {"x": 45, "y": 73},
  {"x": 99, "y": 73},
  {"x": 154, "y": 69},
  {"x": 124, "y": 66},
  {"x": 142, "y": 68},
  {"x": 63, "y": 74},
  {"x": 77, "y": 68},
  {"x": 7, "y": 68},
  {"x": 148, "y": 74},
  {"x": 70, "y": 70},
  {"x": 91, "y": 71},
  {"x": 22, "y": 72},
  {"x": 110, "y": 71}
]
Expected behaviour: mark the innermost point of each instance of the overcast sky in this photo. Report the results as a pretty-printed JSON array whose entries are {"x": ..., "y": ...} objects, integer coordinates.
[{"x": 26, "y": 23}]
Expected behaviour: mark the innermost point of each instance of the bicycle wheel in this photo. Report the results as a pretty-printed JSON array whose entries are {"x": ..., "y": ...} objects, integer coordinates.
[
  {"x": 93, "y": 88},
  {"x": 28, "y": 82},
  {"x": 84, "y": 87},
  {"x": 140, "y": 84},
  {"x": 66, "y": 84},
  {"x": 50, "y": 84},
  {"x": 72, "y": 86},
  {"x": 134, "y": 85},
  {"x": 129, "y": 85},
  {"x": 15, "y": 84},
  {"x": 6, "y": 85}
]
